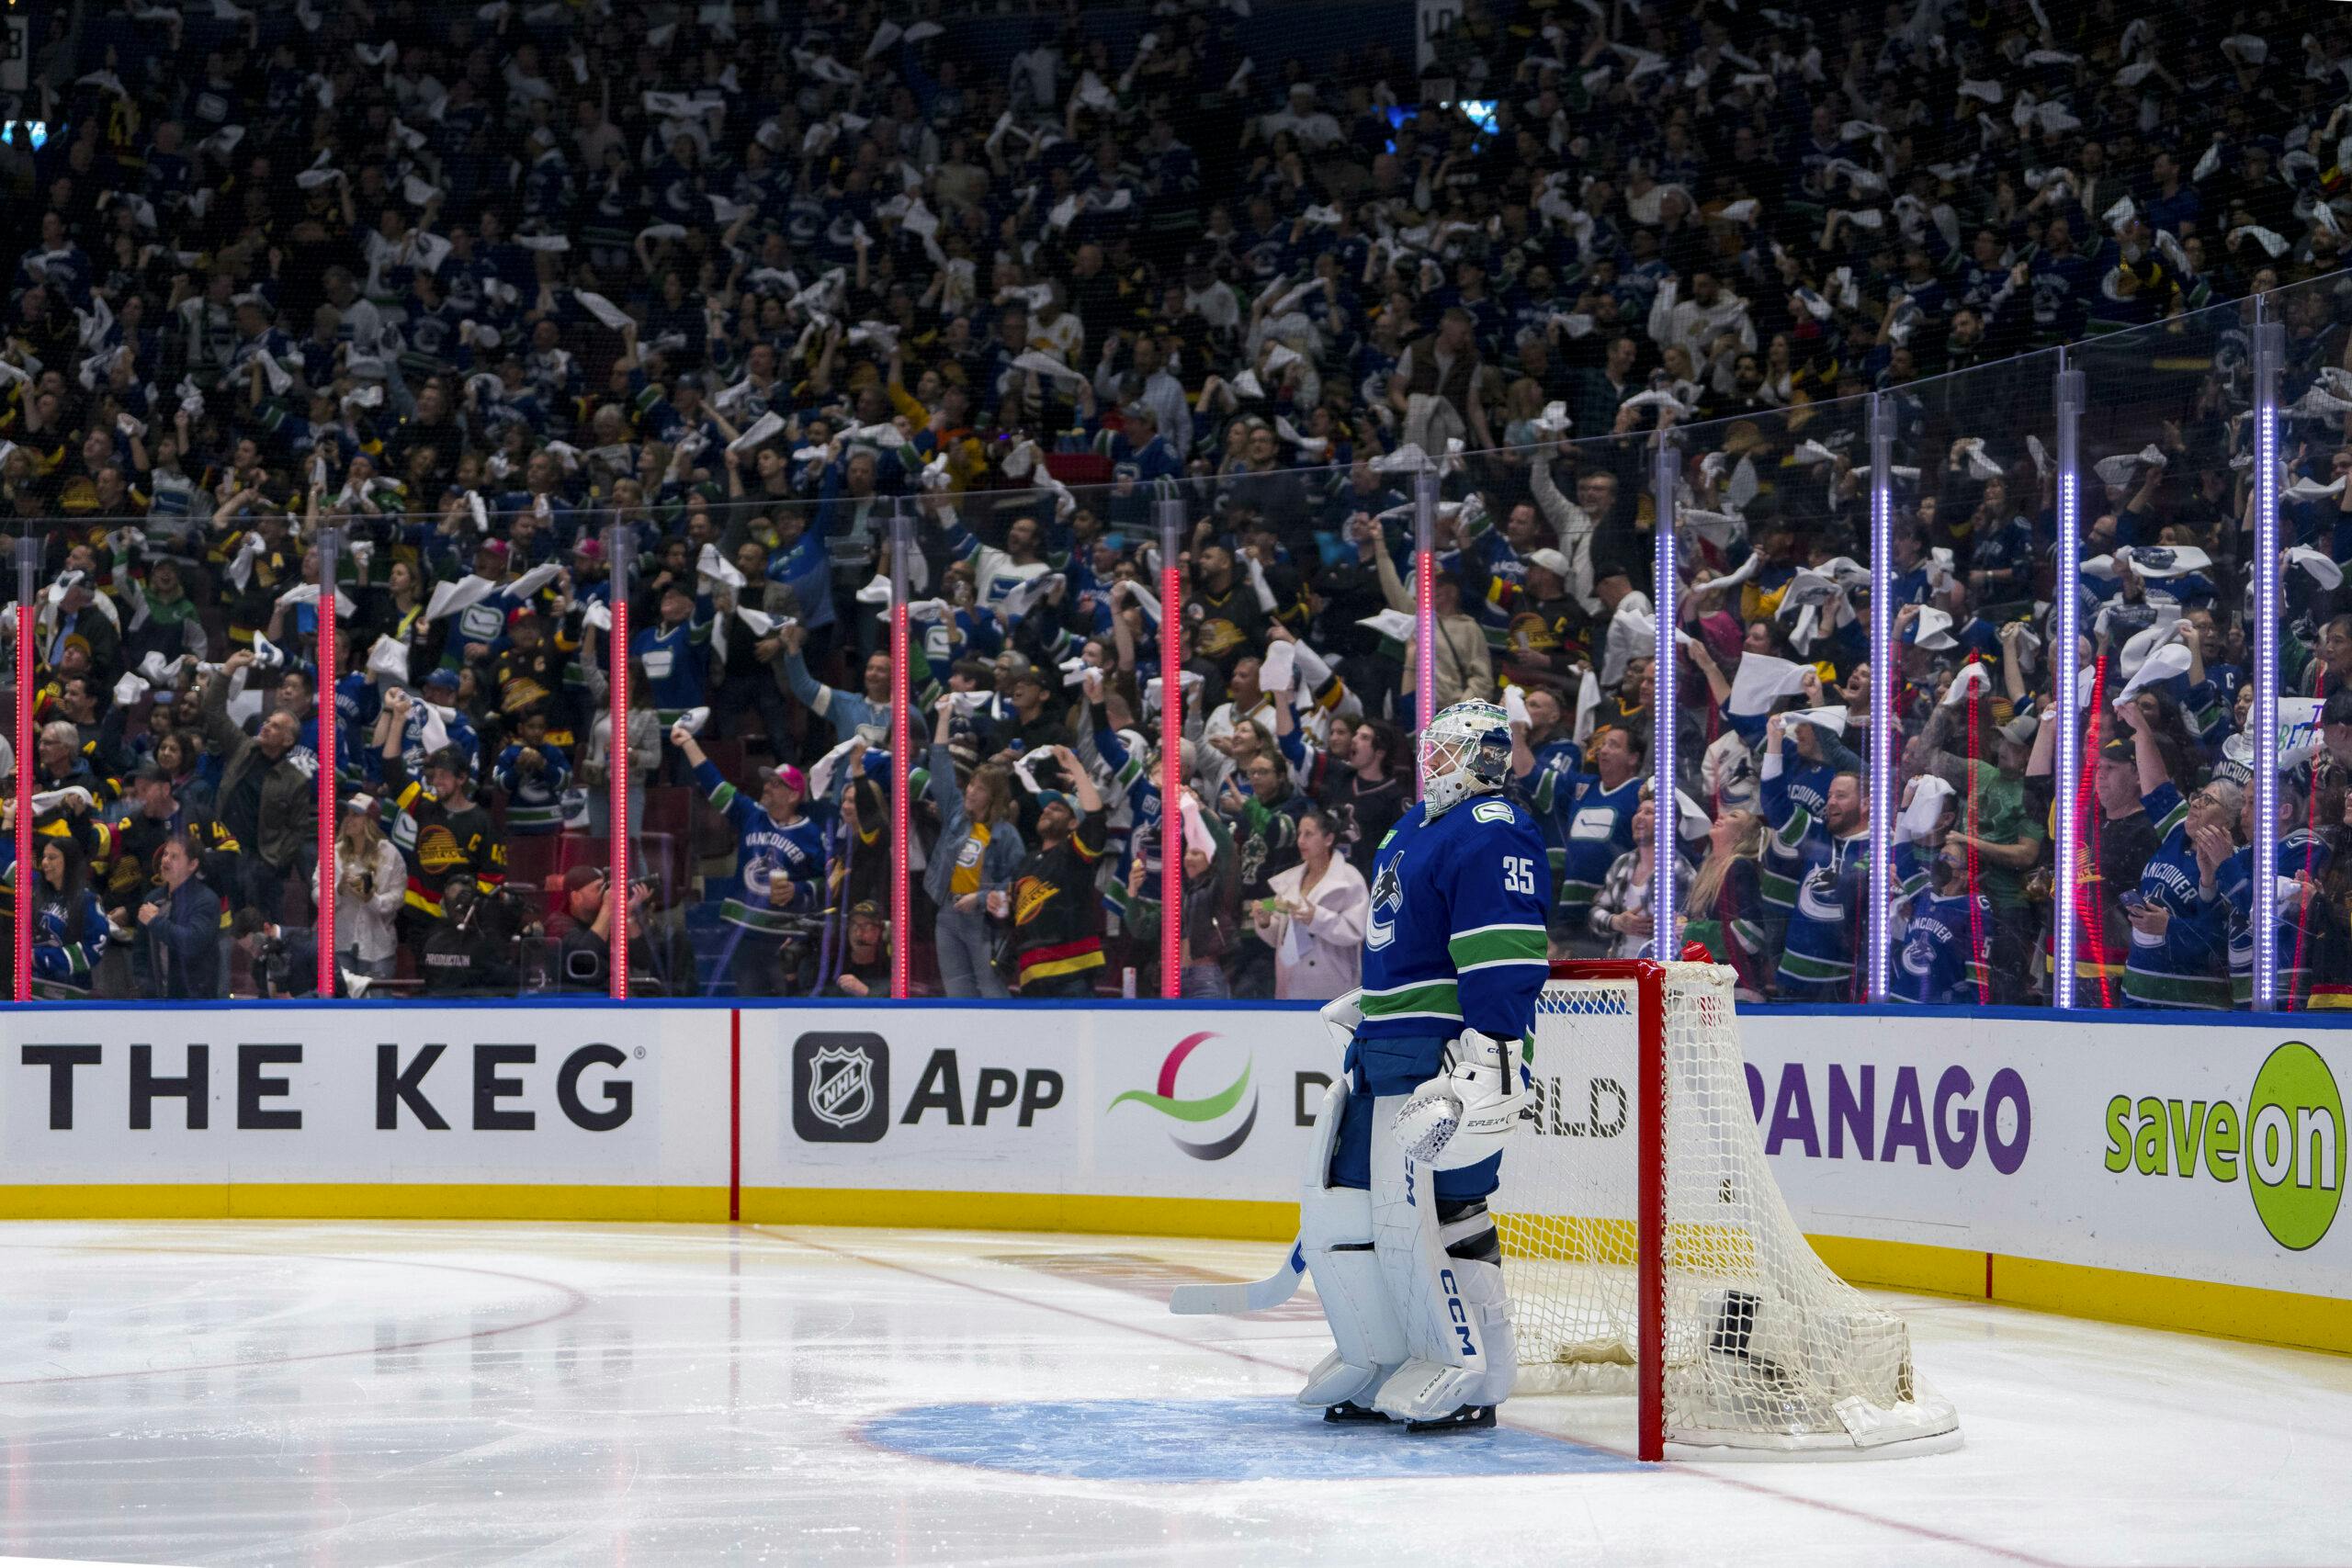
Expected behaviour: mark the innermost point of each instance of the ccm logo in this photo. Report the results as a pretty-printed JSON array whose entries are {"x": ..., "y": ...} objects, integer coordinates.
[{"x": 1453, "y": 1309}]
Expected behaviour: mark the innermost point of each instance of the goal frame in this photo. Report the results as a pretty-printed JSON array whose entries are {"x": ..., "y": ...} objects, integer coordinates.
[
  {"x": 1833, "y": 1377},
  {"x": 1648, "y": 976}
]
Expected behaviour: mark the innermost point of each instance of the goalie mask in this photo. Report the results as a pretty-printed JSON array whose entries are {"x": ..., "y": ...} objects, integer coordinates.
[{"x": 1465, "y": 751}]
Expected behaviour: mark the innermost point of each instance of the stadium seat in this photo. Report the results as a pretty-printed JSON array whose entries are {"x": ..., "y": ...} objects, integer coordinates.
[
  {"x": 668, "y": 808},
  {"x": 531, "y": 860},
  {"x": 1079, "y": 467}
]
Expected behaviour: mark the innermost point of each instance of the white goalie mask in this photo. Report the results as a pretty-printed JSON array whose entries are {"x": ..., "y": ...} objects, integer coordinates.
[{"x": 1465, "y": 751}]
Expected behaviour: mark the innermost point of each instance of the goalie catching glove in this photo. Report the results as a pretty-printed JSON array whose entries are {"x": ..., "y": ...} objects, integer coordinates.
[{"x": 1463, "y": 1115}]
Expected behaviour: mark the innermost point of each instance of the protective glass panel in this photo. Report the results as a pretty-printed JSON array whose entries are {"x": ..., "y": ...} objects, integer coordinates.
[
  {"x": 1973, "y": 482},
  {"x": 760, "y": 850},
  {"x": 1770, "y": 740},
  {"x": 2310, "y": 919},
  {"x": 2163, "y": 605}
]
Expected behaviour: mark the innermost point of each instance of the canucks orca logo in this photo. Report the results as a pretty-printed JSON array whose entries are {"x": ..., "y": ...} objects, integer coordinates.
[
  {"x": 1818, "y": 897},
  {"x": 1207, "y": 1108},
  {"x": 1918, "y": 961},
  {"x": 1387, "y": 899}
]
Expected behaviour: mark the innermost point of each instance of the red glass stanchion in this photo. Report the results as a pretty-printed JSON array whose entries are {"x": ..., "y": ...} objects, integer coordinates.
[
  {"x": 1172, "y": 749},
  {"x": 618, "y": 762},
  {"x": 323, "y": 927}
]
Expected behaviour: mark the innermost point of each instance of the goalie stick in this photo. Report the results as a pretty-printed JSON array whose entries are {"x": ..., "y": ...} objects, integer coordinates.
[{"x": 1193, "y": 1300}]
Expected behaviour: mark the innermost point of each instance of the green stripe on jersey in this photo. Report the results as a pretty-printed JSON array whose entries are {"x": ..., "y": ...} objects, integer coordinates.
[
  {"x": 755, "y": 918},
  {"x": 2149, "y": 988},
  {"x": 1499, "y": 944},
  {"x": 1580, "y": 894},
  {"x": 1800, "y": 966},
  {"x": 1433, "y": 997}
]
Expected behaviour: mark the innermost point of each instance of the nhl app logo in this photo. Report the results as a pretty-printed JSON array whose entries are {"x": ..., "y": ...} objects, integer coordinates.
[{"x": 841, "y": 1088}]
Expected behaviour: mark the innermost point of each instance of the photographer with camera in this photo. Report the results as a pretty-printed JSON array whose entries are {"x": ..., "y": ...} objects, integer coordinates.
[
  {"x": 471, "y": 950},
  {"x": 582, "y": 929},
  {"x": 285, "y": 958}
]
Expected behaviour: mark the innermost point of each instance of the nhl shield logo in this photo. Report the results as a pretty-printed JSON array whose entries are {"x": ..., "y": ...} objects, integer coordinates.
[{"x": 840, "y": 1085}]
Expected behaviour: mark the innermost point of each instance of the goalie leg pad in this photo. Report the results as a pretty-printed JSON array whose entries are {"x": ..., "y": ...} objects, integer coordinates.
[
  {"x": 1335, "y": 1234},
  {"x": 1440, "y": 1262}
]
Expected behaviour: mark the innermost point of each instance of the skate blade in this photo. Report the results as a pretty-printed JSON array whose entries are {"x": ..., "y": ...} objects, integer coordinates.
[{"x": 1469, "y": 1419}]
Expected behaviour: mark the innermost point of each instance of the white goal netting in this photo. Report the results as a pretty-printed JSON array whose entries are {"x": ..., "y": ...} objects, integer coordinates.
[{"x": 1764, "y": 1348}]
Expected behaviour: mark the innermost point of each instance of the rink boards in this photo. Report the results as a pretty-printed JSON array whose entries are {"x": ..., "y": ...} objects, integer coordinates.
[{"x": 2140, "y": 1168}]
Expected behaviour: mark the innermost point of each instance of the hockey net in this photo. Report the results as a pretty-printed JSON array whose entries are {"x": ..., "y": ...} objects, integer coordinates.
[{"x": 1649, "y": 1250}]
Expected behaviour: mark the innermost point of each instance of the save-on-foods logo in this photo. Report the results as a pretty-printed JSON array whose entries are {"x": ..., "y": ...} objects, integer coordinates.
[
  {"x": 2289, "y": 1140},
  {"x": 1202, "y": 1112}
]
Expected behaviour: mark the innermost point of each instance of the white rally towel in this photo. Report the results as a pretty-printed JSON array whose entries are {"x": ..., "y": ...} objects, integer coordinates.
[
  {"x": 388, "y": 659},
  {"x": 1588, "y": 705},
  {"x": 1919, "y": 818},
  {"x": 449, "y": 598},
  {"x": 713, "y": 567},
  {"x": 604, "y": 310},
  {"x": 308, "y": 593},
  {"x": 1831, "y": 719},
  {"x": 2323, "y": 569},
  {"x": 1275, "y": 674},
  {"x": 2166, "y": 662},
  {"x": 1761, "y": 681},
  {"x": 1154, "y": 689},
  {"x": 1972, "y": 678},
  {"x": 763, "y": 429}
]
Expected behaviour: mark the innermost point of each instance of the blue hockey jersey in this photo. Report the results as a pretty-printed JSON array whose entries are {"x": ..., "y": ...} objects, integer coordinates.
[
  {"x": 1817, "y": 961},
  {"x": 1793, "y": 797},
  {"x": 781, "y": 865},
  {"x": 1455, "y": 933},
  {"x": 2299, "y": 852},
  {"x": 1937, "y": 960},
  {"x": 1585, "y": 825},
  {"x": 2187, "y": 965}
]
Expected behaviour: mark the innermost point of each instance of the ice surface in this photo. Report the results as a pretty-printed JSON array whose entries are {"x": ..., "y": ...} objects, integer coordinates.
[{"x": 418, "y": 1394}]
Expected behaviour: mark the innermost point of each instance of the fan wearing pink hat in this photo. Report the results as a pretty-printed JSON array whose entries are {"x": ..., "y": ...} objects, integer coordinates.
[{"x": 779, "y": 859}]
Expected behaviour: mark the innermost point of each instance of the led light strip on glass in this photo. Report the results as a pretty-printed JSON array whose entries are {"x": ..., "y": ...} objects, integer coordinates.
[
  {"x": 2066, "y": 641},
  {"x": 1879, "y": 925},
  {"x": 2270, "y": 346}
]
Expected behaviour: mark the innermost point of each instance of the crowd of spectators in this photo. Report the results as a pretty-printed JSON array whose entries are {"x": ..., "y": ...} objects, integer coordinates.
[{"x": 496, "y": 307}]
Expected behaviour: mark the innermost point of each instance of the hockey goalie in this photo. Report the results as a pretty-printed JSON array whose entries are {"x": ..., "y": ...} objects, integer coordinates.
[{"x": 1409, "y": 1146}]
